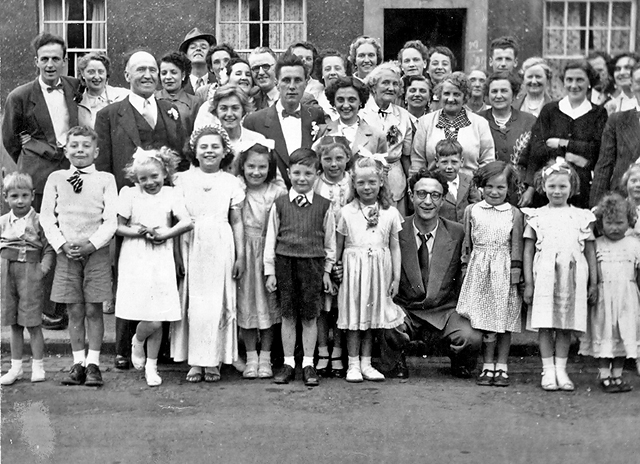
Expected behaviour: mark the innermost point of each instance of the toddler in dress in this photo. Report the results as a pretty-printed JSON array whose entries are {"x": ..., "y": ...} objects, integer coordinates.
[
  {"x": 612, "y": 328},
  {"x": 147, "y": 289},
  {"x": 367, "y": 243},
  {"x": 493, "y": 250},
  {"x": 334, "y": 184},
  {"x": 257, "y": 309},
  {"x": 559, "y": 271}
]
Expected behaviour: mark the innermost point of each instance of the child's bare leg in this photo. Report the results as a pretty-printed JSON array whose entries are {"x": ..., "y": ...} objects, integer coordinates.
[
  {"x": 250, "y": 337},
  {"x": 154, "y": 341},
  {"x": 95, "y": 325},
  {"x": 486, "y": 377},
  {"x": 563, "y": 341},
  {"x": 504, "y": 345},
  {"x": 17, "y": 342},
  {"x": 266, "y": 339},
  {"x": 309, "y": 338},
  {"x": 604, "y": 368},
  {"x": 264, "y": 359},
  {"x": 353, "y": 344},
  {"x": 546, "y": 342},
  {"x": 36, "y": 340},
  {"x": 144, "y": 330},
  {"x": 323, "y": 336},
  {"x": 77, "y": 313}
]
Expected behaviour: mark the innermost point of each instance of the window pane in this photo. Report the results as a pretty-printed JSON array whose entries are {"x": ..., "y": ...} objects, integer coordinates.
[
  {"x": 254, "y": 36},
  {"x": 274, "y": 9},
  {"x": 554, "y": 42},
  {"x": 96, "y": 35},
  {"x": 576, "y": 42},
  {"x": 293, "y": 10},
  {"x": 253, "y": 7},
  {"x": 52, "y": 10},
  {"x": 54, "y": 28},
  {"x": 75, "y": 36},
  {"x": 600, "y": 14},
  {"x": 228, "y": 12},
  {"x": 96, "y": 10},
  {"x": 555, "y": 14},
  {"x": 75, "y": 10},
  {"x": 598, "y": 40},
  {"x": 293, "y": 33},
  {"x": 621, "y": 14},
  {"x": 577, "y": 16},
  {"x": 620, "y": 42}
]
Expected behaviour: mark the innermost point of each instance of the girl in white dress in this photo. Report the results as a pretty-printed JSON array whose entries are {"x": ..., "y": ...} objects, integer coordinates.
[
  {"x": 559, "y": 271},
  {"x": 367, "y": 242},
  {"x": 612, "y": 330},
  {"x": 147, "y": 289},
  {"x": 212, "y": 255},
  {"x": 493, "y": 250}
]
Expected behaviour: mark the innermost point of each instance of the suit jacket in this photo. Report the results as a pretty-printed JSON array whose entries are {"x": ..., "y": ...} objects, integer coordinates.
[
  {"x": 620, "y": 148},
  {"x": 189, "y": 88},
  {"x": 26, "y": 111},
  {"x": 445, "y": 273},
  {"x": 118, "y": 136},
  {"x": 261, "y": 102},
  {"x": 453, "y": 208},
  {"x": 366, "y": 136},
  {"x": 267, "y": 123}
]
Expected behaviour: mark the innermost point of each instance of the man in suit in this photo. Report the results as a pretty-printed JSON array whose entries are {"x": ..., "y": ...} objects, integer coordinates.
[
  {"x": 430, "y": 281},
  {"x": 34, "y": 129},
  {"x": 196, "y": 45},
  {"x": 620, "y": 146},
  {"x": 136, "y": 121},
  {"x": 289, "y": 123}
]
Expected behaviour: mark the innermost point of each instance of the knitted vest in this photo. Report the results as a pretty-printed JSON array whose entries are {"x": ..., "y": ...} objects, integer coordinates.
[
  {"x": 151, "y": 138},
  {"x": 301, "y": 232}
]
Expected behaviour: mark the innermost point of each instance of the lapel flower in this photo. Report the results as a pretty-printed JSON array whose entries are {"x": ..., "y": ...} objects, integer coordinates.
[
  {"x": 372, "y": 215},
  {"x": 393, "y": 135},
  {"x": 314, "y": 130},
  {"x": 173, "y": 114}
]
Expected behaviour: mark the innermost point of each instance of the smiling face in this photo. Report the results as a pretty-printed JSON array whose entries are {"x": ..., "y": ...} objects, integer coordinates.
[
  {"x": 142, "y": 74},
  {"x": 535, "y": 80},
  {"x": 453, "y": 99},
  {"x": 19, "y": 200},
  {"x": 334, "y": 163},
  {"x": 500, "y": 94},
  {"x": 557, "y": 187},
  {"x": 576, "y": 84},
  {"x": 302, "y": 177},
  {"x": 170, "y": 77},
  {"x": 477, "y": 80},
  {"x": 219, "y": 60},
  {"x": 418, "y": 95},
  {"x": 412, "y": 62},
  {"x": 291, "y": 85},
  {"x": 633, "y": 187},
  {"x": 332, "y": 68},
  {"x": 347, "y": 102},
  {"x": 439, "y": 66},
  {"x": 386, "y": 89},
  {"x": 95, "y": 76},
  {"x": 263, "y": 69},
  {"x": 197, "y": 51},
  {"x": 50, "y": 61},
  {"x": 366, "y": 59},
  {"x": 427, "y": 208},
  {"x": 150, "y": 176},
  {"x": 449, "y": 166},
  {"x": 241, "y": 76},
  {"x": 503, "y": 60},
  {"x": 81, "y": 150},
  {"x": 230, "y": 112},
  {"x": 367, "y": 182},
  {"x": 210, "y": 152},
  {"x": 256, "y": 169},
  {"x": 496, "y": 189},
  {"x": 622, "y": 72}
]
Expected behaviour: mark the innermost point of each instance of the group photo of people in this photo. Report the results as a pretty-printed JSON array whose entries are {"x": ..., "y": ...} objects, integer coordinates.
[{"x": 314, "y": 214}]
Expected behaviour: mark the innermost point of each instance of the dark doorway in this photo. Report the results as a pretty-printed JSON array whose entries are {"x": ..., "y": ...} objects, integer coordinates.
[{"x": 432, "y": 26}]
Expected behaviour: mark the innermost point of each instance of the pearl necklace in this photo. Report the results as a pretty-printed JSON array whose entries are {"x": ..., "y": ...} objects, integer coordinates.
[{"x": 501, "y": 122}]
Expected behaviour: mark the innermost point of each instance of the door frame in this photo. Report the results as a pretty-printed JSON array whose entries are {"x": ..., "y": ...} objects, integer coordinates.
[{"x": 475, "y": 52}]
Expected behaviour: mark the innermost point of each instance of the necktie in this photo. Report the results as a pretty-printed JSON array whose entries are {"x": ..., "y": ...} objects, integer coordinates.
[
  {"x": 423, "y": 257},
  {"x": 293, "y": 114},
  {"x": 54, "y": 87},
  {"x": 301, "y": 201},
  {"x": 199, "y": 83},
  {"x": 147, "y": 114},
  {"x": 383, "y": 113},
  {"x": 76, "y": 181}
]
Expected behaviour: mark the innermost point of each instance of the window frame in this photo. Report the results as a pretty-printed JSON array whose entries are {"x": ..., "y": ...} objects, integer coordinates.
[
  {"x": 609, "y": 28},
  {"x": 240, "y": 22}
]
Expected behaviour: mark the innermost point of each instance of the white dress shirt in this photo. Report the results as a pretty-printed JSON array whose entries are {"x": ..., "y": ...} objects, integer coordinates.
[
  {"x": 141, "y": 103},
  {"x": 291, "y": 128},
  {"x": 453, "y": 187},
  {"x": 58, "y": 111},
  {"x": 430, "y": 242}
]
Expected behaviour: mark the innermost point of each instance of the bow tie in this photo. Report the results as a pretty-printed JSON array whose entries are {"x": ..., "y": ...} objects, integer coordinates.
[
  {"x": 383, "y": 113},
  {"x": 54, "y": 87},
  {"x": 293, "y": 114}
]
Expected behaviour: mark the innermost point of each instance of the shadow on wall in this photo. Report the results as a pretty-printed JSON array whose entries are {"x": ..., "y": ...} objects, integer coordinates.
[{"x": 6, "y": 166}]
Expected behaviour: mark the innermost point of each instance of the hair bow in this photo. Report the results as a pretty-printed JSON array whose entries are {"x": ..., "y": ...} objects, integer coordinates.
[
  {"x": 559, "y": 165},
  {"x": 362, "y": 151},
  {"x": 141, "y": 155},
  {"x": 248, "y": 144}
]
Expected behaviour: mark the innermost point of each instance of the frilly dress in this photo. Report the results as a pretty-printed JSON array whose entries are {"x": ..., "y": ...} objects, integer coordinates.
[
  {"x": 560, "y": 269},
  {"x": 612, "y": 329},
  {"x": 363, "y": 300}
]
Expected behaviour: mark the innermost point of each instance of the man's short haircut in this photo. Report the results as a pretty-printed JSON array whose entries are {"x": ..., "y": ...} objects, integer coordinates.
[
  {"x": 306, "y": 45},
  {"x": 425, "y": 173},
  {"x": 83, "y": 131},
  {"x": 289, "y": 59},
  {"x": 224, "y": 47},
  {"x": 514, "y": 81},
  {"x": 261, "y": 50},
  {"x": 416, "y": 45},
  {"x": 129, "y": 54},
  {"x": 599, "y": 54},
  {"x": 306, "y": 157},
  {"x": 446, "y": 51},
  {"x": 46, "y": 38},
  {"x": 446, "y": 147},
  {"x": 504, "y": 42},
  {"x": 16, "y": 180}
]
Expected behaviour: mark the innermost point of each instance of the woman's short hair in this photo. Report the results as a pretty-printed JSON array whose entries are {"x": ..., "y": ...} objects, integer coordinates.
[
  {"x": 446, "y": 51},
  {"x": 457, "y": 79},
  {"x": 223, "y": 47},
  {"x": 261, "y": 150},
  {"x": 416, "y": 45},
  {"x": 179, "y": 60},
  {"x": 611, "y": 64},
  {"x": 514, "y": 81},
  {"x": 234, "y": 61},
  {"x": 317, "y": 63},
  {"x": 102, "y": 57},
  {"x": 364, "y": 39},
  {"x": 537, "y": 61},
  {"x": 346, "y": 82},
  {"x": 584, "y": 65},
  {"x": 227, "y": 91},
  {"x": 373, "y": 77}
]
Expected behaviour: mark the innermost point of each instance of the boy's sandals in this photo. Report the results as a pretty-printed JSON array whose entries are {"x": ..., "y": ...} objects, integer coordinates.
[
  {"x": 212, "y": 375},
  {"x": 548, "y": 382},
  {"x": 485, "y": 378},
  {"x": 194, "y": 375},
  {"x": 608, "y": 386}
]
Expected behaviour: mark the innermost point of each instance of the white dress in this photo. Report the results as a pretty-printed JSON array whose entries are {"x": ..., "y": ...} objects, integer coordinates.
[
  {"x": 208, "y": 252},
  {"x": 147, "y": 286}
]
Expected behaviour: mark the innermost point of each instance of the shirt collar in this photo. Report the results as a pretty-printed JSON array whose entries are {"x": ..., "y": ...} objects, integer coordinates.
[
  {"x": 416, "y": 232},
  {"x": 293, "y": 195},
  {"x": 502, "y": 207},
  {"x": 273, "y": 94},
  {"x": 456, "y": 181},
  {"x": 13, "y": 218},
  {"x": 574, "y": 113},
  {"x": 138, "y": 101},
  {"x": 280, "y": 107},
  {"x": 86, "y": 170},
  {"x": 44, "y": 86}
]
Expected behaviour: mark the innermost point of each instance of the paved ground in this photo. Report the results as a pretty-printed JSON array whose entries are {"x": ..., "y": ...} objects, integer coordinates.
[{"x": 429, "y": 418}]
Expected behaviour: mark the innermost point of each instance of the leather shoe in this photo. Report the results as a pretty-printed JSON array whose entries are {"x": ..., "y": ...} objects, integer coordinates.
[
  {"x": 54, "y": 323},
  {"x": 310, "y": 376},
  {"x": 76, "y": 375},
  {"x": 400, "y": 370},
  {"x": 94, "y": 376},
  {"x": 286, "y": 374},
  {"x": 121, "y": 363}
]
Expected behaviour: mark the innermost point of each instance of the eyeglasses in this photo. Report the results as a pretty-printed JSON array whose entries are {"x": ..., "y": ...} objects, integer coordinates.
[
  {"x": 423, "y": 194},
  {"x": 265, "y": 67}
]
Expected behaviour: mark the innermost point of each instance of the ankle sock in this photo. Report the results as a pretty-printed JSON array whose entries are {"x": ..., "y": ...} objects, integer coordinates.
[
  {"x": 365, "y": 361},
  {"x": 265, "y": 357},
  {"x": 489, "y": 367},
  {"x": 307, "y": 361},
  {"x": 78, "y": 357},
  {"x": 93, "y": 357},
  {"x": 616, "y": 372},
  {"x": 323, "y": 351},
  {"x": 252, "y": 357},
  {"x": 502, "y": 367},
  {"x": 604, "y": 372},
  {"x": 36, "y": 364},
  {"x": 16, "y": 365},
  {"x": 561, "y": 364},
  {"x": 354, "y": 361},
  {"x": 151, "y": 364},
  {"x": 547, "y": 364},
  {"x": 290, "y": 361}
]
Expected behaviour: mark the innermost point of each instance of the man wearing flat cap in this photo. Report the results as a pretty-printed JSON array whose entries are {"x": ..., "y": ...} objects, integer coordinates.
[{"x": 195, "y": 45}]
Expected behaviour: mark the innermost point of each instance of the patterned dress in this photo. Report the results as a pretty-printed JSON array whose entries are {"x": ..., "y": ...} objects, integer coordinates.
[{"x": 488, "y": 299}]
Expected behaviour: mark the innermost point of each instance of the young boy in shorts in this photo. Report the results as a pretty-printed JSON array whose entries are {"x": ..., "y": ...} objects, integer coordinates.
[
  {"x": 300, "y": 249},
  {"x": 26, "y": 258},
  {"x": 79, "y": 217},
  {"x": 462, "y": 192}
]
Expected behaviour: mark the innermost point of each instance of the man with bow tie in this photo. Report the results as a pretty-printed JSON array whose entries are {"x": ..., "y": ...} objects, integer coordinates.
[{"x": 289, "y": 123}]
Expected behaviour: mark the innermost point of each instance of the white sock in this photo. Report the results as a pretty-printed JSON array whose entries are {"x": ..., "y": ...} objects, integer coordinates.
[
  {"x": 547, "y": 363},
  {"x": 365, "y": 361},
  {"x": 307, "y": 361},
  {"x": 561, "y": 364},
  {"x": 152, "y": 364},
  {"x": 252, "y": 357},
  {"x": 489, "y": 367},
  {"x": 290, "y": 361},
  {"x": 93, "y": 357},
  {"x": 604, "y": 372},
  {"x": 503, "y": 368},
  {"x": 616, "y": 372},
  {"x": 37, "y": 364},
  {"x": 265, "y": 357},
  {"x": 78, "y": 357},
  {"x": 16, "y": 365},
  {"x": 354, "y": 361}
]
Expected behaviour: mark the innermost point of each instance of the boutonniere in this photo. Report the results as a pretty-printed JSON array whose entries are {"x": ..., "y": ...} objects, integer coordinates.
[
  {"x": 372, "y": 216},
  {"x": 173, "y": 114},
  {"x": 393, "y": 135},
  {"x": 314, "y": 130}
]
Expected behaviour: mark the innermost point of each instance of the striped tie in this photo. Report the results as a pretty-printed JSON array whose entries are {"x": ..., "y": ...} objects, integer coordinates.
[
  {"x": 76, "y": 181},
  {"x": 301, "y": 201}
]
